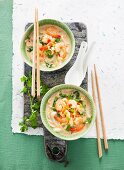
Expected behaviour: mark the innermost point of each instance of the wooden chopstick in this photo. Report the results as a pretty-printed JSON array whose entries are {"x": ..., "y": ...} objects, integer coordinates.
[
  {"x": 38, "y": 62},
  {"x": 34, "y": 59},
  {"x": 101, "y": 110},
  {"x": 97, "y": 124}
]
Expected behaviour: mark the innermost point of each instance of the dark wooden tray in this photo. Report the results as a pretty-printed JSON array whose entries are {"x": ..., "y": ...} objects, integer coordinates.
[{"x": 56, "y": 148}]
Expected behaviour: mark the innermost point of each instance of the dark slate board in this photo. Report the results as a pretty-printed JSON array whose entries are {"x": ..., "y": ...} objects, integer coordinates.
[{"x": 52, "y": 79}]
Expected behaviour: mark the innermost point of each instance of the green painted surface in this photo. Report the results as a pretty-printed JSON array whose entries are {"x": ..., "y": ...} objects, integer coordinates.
[{"x": 21, "y": 152}]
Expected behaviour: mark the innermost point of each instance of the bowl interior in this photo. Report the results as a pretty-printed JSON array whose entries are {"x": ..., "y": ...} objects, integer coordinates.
[
  {"x": 43, "y": 112},
  {"x": 45, "y": 22}
]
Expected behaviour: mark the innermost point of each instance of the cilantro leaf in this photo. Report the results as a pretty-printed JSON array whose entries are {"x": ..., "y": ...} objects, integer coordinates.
[
  {"x": 68, "y": 127},
  {"x": 41, "y": 42},
  {"x": 23, "y": 79},
  {"x": 43, "y": 89},
  {"x": 88, "y": 121},
  {"x": 49, "y": 53},
  {"x": 36, "y": 105},
  {"x": 24, "y": 90},
  {"x": 30, "y": 49},
  {"x": 62, "y": 95},
  {"x": 31, "y": 120},
  {"x": 24, "y": 127},
  {"x": 48, "y": 65},
  {"x": 54, "y": 102},
  {"x": 57, "y": 40},
  {"x": 69, "y": 96},
  {"x": 76, "y": 94}
]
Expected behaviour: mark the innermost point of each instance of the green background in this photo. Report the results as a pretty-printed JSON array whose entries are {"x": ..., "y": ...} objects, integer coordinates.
[{"x": 21, "y": 152}]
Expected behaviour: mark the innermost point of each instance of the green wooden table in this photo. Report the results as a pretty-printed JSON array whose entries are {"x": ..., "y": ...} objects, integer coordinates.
[{"x": 21, "y": 152}]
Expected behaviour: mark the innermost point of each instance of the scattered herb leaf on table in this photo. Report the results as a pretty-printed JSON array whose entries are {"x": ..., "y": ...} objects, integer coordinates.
[{"x": 31, "y": 120}]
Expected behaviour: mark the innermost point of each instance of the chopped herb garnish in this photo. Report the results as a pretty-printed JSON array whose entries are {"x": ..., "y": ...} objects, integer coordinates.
[
  {"x": 57, "y": 40},
  {"x": 82, "y": 113},
  {"x": 41, "y": 42},
  {"x": 78, "y": 100},
  {"x": 88, "y": 121},
  {"x": 57, "y": 53},
  {"x": 49, "y": 53},
  {"x": 70, "y": 96},
  {"x": 62, "y": 95},
  {"x": 30, "y": 49},
  {"x": 71, "y": 110},
  {"x": 54, "y": 102},
  {"x": 76, "y": 94},
  {"x": 48, "y": 65},
  {"x": 28, "y": 37},
  {"x": 84, "y": 105},
  {"x": 67, "y": 118},
  {"x": 68, "y": 127},
  {"x": 53, "y": 108},
  {"x": 58, "y": 114}
]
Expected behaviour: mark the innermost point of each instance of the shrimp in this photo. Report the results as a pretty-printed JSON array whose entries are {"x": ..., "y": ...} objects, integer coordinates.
[
  {"x": 84, "y": 118},
  {"x": 80, "y": 108},
  {"x": 72, "y": 103},
  {"x": 60, "y": 119},
  {"x": 43, "y": 48},
  {"x": 62, "y": 114},
  {"x": 78, "y": 120},
  {"x": 61, "y": 49},
  {"x": 50, "y": 44},
  {"x": 63, "y": 53},
  {"x": 28, "y": 43},
  {"x": 59, "y": 46},
  {"x": 71, "y": 122},
  {"x": 60, "y": 104},
  {"x": 41, "y": 56},
  {"x": 52, "y": 31},
  {"x": 46, "y": 38},
  {"x": 65, "y": 100},
  {"x": 77, "y": 128},
  {"x": 67, "y": 113},
  {"x": 52, "y": 121}
]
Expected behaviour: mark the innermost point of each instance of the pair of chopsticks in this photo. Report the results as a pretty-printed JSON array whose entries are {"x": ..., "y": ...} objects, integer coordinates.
[
  {"x": 94, "y": 77},
  {"x": 35, "y": 60}
]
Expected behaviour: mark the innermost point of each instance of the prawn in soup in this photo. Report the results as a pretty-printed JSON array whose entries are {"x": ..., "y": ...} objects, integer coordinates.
[
  {"x": 68, "y": 111},
  {"x": 54, "y": 46}
]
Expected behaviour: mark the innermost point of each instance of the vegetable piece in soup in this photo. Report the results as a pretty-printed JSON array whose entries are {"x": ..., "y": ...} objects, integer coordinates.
[
  {"x": 68, "y": 111},
  {"x": 54, "y": 46}
]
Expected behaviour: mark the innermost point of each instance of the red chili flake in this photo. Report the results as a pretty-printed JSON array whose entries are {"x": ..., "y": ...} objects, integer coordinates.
[
  {"x": 43, "y": 48},
  {"x": 58, "y": 36},
  {"x": 48, "y": 41},
  {"x": 50, "y": 44}
]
